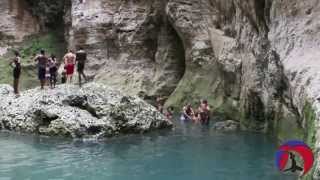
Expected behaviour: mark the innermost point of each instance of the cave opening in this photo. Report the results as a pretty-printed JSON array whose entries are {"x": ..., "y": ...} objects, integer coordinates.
[{"x": 50, "y": 13}]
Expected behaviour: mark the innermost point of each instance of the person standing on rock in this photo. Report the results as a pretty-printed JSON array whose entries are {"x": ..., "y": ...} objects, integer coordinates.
[
  {"x": 69, "y": 64},
  {"x": 42, "y": 61},
  {"x": 81, "y": 58},
  {"x": 53, "y": 71},
  {"x": 16, "y": 64}
]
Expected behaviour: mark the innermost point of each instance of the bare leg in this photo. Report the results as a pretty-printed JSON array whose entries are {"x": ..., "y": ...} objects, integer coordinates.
[
  {"x": 42, "y": 82},
  {"x": 71, "y": 79},
  {"x": 84, "y": 76},
  {"x": 79, "y": 78},
  {"x": 16, "y": 85},
  {"x": 54, "y": 80}
]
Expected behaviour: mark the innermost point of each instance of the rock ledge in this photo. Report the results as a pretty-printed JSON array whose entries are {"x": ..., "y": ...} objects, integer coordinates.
[{"x": 92, "y": 111}]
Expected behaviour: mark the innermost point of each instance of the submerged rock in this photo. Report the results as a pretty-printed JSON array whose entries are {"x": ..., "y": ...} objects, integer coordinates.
[
  {"x": 92, "y": 111},
  {"x": 228, "y": 125}
]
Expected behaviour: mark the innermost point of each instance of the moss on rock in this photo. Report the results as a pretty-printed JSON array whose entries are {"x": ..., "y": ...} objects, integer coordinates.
[
  {"x": 309, "y": 116},
  {"x": 52, "y": 42}
]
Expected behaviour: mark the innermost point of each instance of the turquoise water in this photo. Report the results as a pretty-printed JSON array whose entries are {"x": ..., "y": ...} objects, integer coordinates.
[{"x": 186, "y": 153}]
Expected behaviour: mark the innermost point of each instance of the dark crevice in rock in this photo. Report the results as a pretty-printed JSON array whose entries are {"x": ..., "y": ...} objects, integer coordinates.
[
  {"x": 93, "y": 130},
  {"x": 82, "y": 103},
  {"x": 50, "y": 13},
  {"x": 44, "y": 118}
]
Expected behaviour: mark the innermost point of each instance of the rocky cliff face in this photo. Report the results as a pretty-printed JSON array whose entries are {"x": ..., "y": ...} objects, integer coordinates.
[
  {"x": 131, "y": 44},
  {"x": 94, "y": 111},
  {"x": 16, "y": 22},
  {"x": 255, "y": 60}
]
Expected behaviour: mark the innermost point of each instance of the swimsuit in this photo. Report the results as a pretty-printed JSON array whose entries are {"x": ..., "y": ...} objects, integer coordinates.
[
  {"x": 70, "y": 69},
  {"x": 17, "y": 69}
]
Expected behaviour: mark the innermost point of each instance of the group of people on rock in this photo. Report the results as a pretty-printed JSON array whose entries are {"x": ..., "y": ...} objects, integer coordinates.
[
  {"x": 47, "y": 68},
  {"x": 188, "y": 114}
]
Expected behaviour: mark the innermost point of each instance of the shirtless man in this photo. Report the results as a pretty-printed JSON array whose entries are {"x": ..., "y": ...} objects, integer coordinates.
[
  {"x": 204, "y": 112},
  {"x": 69, "y": 62},
  {"x": 42, "y": 61}
]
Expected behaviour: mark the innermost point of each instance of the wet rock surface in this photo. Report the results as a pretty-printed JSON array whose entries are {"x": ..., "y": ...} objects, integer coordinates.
[
  {"x": 93, "y": 111},
  {"x": 228, "y": 125}
]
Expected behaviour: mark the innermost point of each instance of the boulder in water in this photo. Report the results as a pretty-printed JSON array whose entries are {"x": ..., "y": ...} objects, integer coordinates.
[
  {"x": 92, "y": 111},
  {"x": 228, "y": 125}
]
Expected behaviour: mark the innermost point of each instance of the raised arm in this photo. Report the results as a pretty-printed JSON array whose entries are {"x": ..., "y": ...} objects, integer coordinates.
[{"x": 35, "y": 58}]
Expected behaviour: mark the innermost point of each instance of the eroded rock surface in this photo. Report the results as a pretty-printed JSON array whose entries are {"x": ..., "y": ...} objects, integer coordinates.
[
  {"x": 131, "y": 45},
  {"x": 254, "y": 60},
  {"x": 16, "y": 20},
  {"x": 228, "y": 125},
  {"x": 93, "y": 111}
]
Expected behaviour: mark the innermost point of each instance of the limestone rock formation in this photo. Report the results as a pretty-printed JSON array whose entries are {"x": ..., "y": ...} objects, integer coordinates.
[
  {"x": 254, "y": 60},
  {"x": 131, "y": 45},
  {"x": 16, "y": 22},
  {"x": 92, "y": 111},
  {"x": 228, "y": 125}
]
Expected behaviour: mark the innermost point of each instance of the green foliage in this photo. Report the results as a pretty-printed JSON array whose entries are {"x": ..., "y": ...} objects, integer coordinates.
[
  {"x": 310, "y": 131},
  {"x": 52, "y": 42}
]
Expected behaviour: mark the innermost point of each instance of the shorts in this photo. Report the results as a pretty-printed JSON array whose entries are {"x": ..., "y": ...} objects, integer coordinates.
[
  {"x": 42, "y": 73},
  {"x": 70, "y": 69},
  {"x": 80, "y": 67},
  {"x": 16, "y": 73}
]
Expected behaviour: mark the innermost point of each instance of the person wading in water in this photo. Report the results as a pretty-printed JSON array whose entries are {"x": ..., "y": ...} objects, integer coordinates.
[
  {"x": 42, "y": 61},
  {"x": 187, "y": 113},
  {"x": 81, "y": 58},
  {"x": 203, "y": 115},
  {"x": 69, "y": 62},
  {"x": 16, "y": 64},
  {"x": 53, "y": 71}
]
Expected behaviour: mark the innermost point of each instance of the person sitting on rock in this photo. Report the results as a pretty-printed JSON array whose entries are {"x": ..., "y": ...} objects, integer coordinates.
[
  {"x": 187, "y": 113},
  {"x": 203, "y": 115}
]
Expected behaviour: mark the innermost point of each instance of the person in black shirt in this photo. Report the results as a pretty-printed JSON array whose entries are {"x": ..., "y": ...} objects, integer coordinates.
[
  {"x": 16, "y": 64},
  {"x": 81, "y": 58}
]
